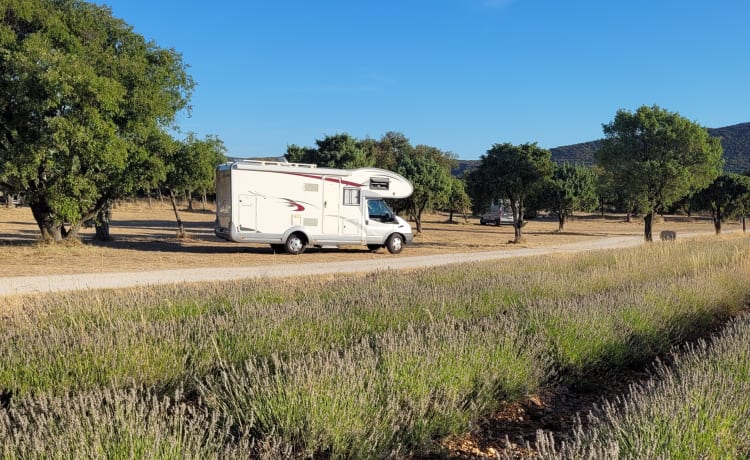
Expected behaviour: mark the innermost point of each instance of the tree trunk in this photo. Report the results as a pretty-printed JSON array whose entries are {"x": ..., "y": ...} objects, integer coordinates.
[
  {"x": 517, "y": 220},
  {"x": 648, "y": 221},
  {"x": 717, "y": 221},
  {"x": 744, "y": 226},
  {"x": 148, "y": 193},
  {"x": 51, "y": 231},
  {"x": 560, "y": 221},
  {"x": 101, "y": 224},
  {"x": 180, "y": 226},
  {"x": 418, "y": 222},
  {"x": 629, "y": 217},
  {"x": 450, "y": 216},
  {"x": 204, "y": 199}
]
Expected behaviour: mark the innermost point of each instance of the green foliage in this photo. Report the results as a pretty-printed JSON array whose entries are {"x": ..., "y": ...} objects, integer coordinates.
[
  {"x": 511, "y": 173},
  {"x": 458, "y": 200},
  {"x": 337, "y": 151},
  {"x": 428, "y": 169},
  {"x": 658, "y": 157},
  {"x": 571, "y": 188},
  {"x": 391, "y": 146},
  {"x": 80, "y": 94},
  {"x": 192, "y": 162},
  {"x": 727, "y": 197}
]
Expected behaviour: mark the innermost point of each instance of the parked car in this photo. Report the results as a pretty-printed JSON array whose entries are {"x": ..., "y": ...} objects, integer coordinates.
[
  {"x": 497, "y": 217},
  {"x": 14, "y": 200}
]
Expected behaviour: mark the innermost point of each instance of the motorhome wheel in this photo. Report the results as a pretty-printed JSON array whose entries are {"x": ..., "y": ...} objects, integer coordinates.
[
  {"x": 395, "y": 243},
  {"x": 295, "y": 244}
]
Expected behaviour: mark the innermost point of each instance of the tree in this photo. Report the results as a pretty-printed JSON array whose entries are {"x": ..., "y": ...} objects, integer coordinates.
[
  {"x": 658, "y": 157},
  {"x": 337, "y": 151},
  {"x": 571, "y": 188},
  {"x": 727, "y": 197},
  {"x": 391, "y": 146},
  {"x": 430, "y": 178},
  {"x": 80, "y": 93},
  {"x": 458, "y": 200},
  {"x": 512, "y": 173},
  {"x": 190, "y": 167}
]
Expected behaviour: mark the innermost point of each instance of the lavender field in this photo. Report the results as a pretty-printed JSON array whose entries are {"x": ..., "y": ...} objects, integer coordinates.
[{"x": 381, "y": 365}]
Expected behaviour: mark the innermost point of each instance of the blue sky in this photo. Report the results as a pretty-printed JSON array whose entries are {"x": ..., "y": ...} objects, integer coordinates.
[{"x": 459, "y": 75}]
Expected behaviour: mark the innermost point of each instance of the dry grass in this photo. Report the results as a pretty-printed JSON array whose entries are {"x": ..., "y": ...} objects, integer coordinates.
[{"x": 145, "y": 239}]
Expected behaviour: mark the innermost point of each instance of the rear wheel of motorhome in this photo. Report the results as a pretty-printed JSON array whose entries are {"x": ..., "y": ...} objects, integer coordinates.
[
  {"x": 395, "y": 243},
  {"x": 295, "y": 244}
]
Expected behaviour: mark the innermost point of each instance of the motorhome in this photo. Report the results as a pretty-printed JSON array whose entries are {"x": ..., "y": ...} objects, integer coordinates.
[{"x": 294, "y": 205}]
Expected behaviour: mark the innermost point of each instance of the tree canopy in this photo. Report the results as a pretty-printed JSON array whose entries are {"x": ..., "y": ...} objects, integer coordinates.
[
  {"x": 81, "y": 94},
  {"x": 658, "y": 157},
  {"x": 337, "y": 151}
]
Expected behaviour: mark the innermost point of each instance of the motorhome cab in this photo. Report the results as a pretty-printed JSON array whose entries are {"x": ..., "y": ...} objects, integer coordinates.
[{"x": 293, "y": 205}]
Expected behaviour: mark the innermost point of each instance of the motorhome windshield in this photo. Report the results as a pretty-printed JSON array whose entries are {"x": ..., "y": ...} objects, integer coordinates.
[{"x": 378, "y": 209}]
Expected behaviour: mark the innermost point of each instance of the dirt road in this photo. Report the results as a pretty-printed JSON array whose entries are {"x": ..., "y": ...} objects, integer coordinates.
[{"x": 54, "y": 283}]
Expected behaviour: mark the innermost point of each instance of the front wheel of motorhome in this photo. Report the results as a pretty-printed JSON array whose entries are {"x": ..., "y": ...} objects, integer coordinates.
[
  {"x": 295, "y": 244},
  {"x": 395, "y": 243}
]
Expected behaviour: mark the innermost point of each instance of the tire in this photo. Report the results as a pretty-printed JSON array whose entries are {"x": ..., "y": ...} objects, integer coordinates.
[
  {"x": 278, "y": 248},
  {"x": 374, "y": 247},
  {"x": 497, "y": 223},
  {"x": 295, "y": 244},
  {"x": 395, "y": 243}
]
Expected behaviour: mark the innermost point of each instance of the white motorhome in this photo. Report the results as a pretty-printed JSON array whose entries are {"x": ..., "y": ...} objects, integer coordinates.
[{"x": 294, "y": 205}]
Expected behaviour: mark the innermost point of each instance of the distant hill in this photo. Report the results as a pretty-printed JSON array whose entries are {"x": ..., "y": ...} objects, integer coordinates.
[{"x": 735, "y": 140}]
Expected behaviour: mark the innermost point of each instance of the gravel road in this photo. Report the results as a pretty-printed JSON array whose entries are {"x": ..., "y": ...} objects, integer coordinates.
[{"x": 56, "y": 283}]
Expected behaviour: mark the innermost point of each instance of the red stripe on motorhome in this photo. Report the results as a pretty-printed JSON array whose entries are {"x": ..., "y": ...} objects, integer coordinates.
[{"x": 329, "y": 179}]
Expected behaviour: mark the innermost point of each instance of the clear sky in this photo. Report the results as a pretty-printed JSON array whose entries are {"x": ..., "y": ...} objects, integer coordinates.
[{"x": 459, "y": 75}]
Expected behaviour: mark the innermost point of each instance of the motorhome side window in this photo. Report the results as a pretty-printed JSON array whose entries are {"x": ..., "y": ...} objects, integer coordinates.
[{"x": 351, "y": 197}]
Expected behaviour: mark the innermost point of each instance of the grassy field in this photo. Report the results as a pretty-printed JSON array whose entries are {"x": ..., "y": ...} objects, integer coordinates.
[{"x": 357, "y": 367}]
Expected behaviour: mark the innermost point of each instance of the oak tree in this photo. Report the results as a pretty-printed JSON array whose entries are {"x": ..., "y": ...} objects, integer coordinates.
[
  {"x": 658, "y": 157},
  {"x": 80, "y": 94},
  {"x": 571, "y": 188},
  {"x": 512, "y": 173},
  {"x": 727, "y": 197}
]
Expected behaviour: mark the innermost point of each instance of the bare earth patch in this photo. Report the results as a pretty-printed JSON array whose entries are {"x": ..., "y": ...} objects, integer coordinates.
[{"x": 145, "y": 239}]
